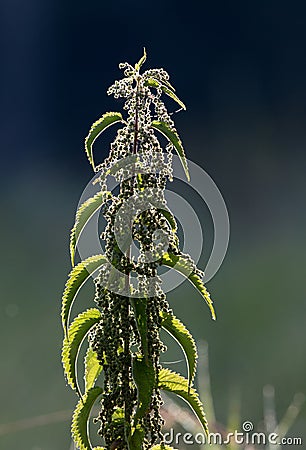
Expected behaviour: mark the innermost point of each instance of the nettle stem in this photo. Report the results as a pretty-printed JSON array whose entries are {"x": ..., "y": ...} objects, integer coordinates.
[
  {"x": 127, "y": 352},
  {"x": 136, "y": 117},
  {"x": 124, "y": 330}
]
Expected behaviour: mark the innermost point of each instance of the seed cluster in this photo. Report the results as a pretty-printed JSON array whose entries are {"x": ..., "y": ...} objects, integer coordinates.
[{"x": 134, "y": 218}]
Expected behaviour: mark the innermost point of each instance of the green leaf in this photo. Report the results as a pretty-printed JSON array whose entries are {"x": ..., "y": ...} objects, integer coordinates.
[
  {"x": 158, "y": 78},
  {"x": 72, "y": 343},
  {"x": 162, "y": 447},
  {"x": 118, "y": 415},
  {"x": 77, "y": 277},
  {"x": 136, "y": 439},
  {"x": 180, "y": 333},
  {"x": 182, "y": 265},
  {"x": 173, "y": 96},
  {"x": 140, "y": 182},
  {"x": 173, "y": 137},
  {"x": 97, "y": 128},
  {"x": 142, "y": 60},
  {"x": 93, "y": 368},
  {"x": 175, "y": 383},
  {"x": 165, "y": 212},
  {"x": 144, "y": 377},
  {"x": 79, "y": 428},
  {"x": 170, "y": 218},
  {"x": 83, "y": 214},
  {"x": 140, "y": 312},
  {"x": 152, "y": 82},
  {"x": 126, "y": 163}
]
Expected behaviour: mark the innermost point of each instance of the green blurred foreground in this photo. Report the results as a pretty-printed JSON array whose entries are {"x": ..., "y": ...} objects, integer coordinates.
[{"x": 258, "y": 339}]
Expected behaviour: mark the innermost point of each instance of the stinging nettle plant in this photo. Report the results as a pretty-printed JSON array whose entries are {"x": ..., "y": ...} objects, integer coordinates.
[{"x": 122, "y": 363}]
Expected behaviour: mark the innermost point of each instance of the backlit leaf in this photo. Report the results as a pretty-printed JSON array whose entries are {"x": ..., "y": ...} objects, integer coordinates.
[
  {"x": 79, "y": 428},
  {"x": 144, "y": 377},
  {"x": 140, "y": 312},
  {"x": 77, "y": 277},
  {"x": 136, "y": 439},
  {"x": 152, "y": 82},
  {"x": 175, "y": 383},
  {"x": 180, "y": 333},
  {"x": 83, "y": 214},
  {"x": 93, "y": 368},
  {"x": 96, "y": 129},
  {"x": 142, "y": 60},
  {"x": 182, "y": 265},
  {"x": 173, "y": 137},
  {"x": 72, "y": 343}
]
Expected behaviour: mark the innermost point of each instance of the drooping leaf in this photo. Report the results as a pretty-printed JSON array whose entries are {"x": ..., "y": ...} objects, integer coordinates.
[
  {"x": 142, "y": 60},
  {"x": 159, "y": 78},
  {"x": 97, "y": 128},
  {"x": 140, "y": 311},
  {"x": 83, "y": 214},
  {"x": 152, "y": 82},
  {"x": 144, "y": 377},
  {"x": 93, "y": 368},
  {"x": 173, "y": 96},
  {"x": 173, "y": 137},
  {"x": 175, "y": 383},
  {"x": 180, "y": 333},
  {"x": 77, "y": 277},
  {"x": 182, "y": 265},
  {"x": 79, "y": 428},
  {"x": 72, "y": 343}
]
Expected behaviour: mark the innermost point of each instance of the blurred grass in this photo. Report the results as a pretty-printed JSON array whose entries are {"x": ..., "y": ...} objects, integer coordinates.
[
  {"x": 258, "y": 339},
  {"x": 180, "y": 421}
]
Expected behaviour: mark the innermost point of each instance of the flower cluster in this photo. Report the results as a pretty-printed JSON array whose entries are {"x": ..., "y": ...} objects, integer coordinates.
[{"x": 135, "y": 219}]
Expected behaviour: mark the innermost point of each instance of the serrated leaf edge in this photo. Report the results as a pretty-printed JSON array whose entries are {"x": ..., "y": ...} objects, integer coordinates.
[
  {"x": 96, "y": 129},
  {"x": 73, "y": 341},
  {"x": 173, "y": 261},
  {"x": 73, "y": 286},
  {"x": 153, "y": 82},
  {"x": 82, "y": 215},
  {"x": 81, "y": 417},
  {"x": 167, "y": 376},
  {"x": 191, "y": 358},
  {"x": 175, "y": 140}
]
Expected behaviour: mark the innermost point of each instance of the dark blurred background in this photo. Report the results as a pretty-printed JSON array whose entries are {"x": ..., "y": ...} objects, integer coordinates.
[{"x": 241, "y": 69}]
